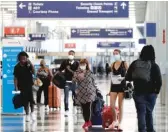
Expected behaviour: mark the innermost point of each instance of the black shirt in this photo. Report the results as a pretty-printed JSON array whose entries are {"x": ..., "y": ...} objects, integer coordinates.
[
  {"x": 153, "y": 86},
  {"x": 73, "y": 67},
  {"x": 24, "y": 76}
]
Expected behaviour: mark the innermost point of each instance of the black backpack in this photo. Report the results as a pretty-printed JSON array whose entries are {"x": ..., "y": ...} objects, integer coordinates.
[{"x": 142, "y": 70}]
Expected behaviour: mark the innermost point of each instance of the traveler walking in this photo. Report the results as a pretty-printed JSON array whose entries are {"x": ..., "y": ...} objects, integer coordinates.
[{"x": 146, "y": 77}]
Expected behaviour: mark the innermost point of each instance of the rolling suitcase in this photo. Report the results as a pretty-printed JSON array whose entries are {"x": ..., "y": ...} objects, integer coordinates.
[
  {"x": 54, "y": 97},
  {"x": 107, "y": 115}
]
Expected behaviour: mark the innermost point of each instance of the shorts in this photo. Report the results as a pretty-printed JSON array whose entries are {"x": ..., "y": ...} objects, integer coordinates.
[{"x": 117, "y": 88}]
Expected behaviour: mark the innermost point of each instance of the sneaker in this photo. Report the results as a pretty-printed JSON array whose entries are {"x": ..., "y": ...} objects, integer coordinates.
[
  {"x": 89, "y": 124},
  {"x": 33, "y": 116},
  {"x": 66, "y": 112},
  {"x": 27, "y": 118},
  {"x": 84, "y": 125},
  {"x": 47, "y": 108}
]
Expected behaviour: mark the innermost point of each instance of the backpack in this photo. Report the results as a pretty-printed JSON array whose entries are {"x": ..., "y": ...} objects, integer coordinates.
[{"x": 142, "y": 70}]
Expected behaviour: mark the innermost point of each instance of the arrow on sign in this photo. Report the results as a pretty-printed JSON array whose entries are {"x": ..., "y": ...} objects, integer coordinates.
[
  {"x": 73, "y": 31},
  {"x": 130, "y": 31},
  {"x": 123, "y": 5},
  {"x": 22, "y": 5},
  {"x": 164, "y": 37}
]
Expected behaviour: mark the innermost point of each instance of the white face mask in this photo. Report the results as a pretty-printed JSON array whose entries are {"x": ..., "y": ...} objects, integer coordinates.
[
  {"x": 83, "y": 67},
  {"x": 71, "y": 57},
  {"x": 117, "y": 57}
]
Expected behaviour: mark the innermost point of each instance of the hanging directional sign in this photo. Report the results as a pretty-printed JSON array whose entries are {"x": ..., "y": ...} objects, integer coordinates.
[
  {"x": 72, "y": 9},
  {"x": 116, "y": 45},
  {"x": 101, "y": 33},
  {"x": 37, "y": 37}
]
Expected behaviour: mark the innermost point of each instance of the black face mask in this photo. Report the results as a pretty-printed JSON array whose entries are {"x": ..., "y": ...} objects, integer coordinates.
[{"x": 42, "y": 65}]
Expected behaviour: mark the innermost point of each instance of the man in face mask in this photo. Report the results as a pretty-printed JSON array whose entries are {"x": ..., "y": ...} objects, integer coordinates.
[{"x": 69, "y": 66}]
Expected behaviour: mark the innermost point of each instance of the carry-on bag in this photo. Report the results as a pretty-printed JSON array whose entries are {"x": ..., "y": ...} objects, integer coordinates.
[
  {"x": 54, "y": 97},
  {"x": 59, "y": 80},
  {"x": 107, "y": 115},
  {"x": 17, "y": 100}
]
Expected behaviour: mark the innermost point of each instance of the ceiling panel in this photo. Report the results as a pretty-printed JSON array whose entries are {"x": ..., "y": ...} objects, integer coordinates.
[{"x": 140, "y": 11}]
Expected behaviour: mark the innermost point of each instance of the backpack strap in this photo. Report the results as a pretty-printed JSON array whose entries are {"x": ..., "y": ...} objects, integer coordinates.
[{"x": 123, "y": 64}]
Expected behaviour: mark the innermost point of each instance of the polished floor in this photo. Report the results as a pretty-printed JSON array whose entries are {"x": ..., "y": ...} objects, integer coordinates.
[{"x": 59, "y": 121}]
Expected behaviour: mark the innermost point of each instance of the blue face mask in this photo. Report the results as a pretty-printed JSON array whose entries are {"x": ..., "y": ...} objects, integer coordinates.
[{"x": 117, "y": 57}]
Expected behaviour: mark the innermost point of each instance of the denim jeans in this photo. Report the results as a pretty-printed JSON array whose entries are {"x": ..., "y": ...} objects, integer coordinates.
[
  {"x": 145, "y": 104},
  {"x": 68, "y": 87}
]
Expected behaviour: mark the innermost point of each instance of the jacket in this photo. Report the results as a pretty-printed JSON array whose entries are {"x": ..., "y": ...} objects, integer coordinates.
[{"x": 143, "y": 87}]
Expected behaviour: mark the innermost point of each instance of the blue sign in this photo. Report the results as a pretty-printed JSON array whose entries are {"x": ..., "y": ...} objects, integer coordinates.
[
  {"x": 116, "y": 45},
  {"x": 37, "y": 37},
  {"x": 150, "y": 29},
  {"x": 101, "y": 33},
  {"x": 142, "y": 41},
  {"x": 9, "y": 62},
  {"x": 72, "y": 9}
]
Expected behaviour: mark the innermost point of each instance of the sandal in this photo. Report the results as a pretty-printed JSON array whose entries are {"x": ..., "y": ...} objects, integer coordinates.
[{"x": 113, "y": 125}]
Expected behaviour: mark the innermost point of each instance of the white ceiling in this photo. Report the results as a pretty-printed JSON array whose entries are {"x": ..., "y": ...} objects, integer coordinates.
[
  {"x": 140, "y": 11},
  {"x": 137, "y": 10}
]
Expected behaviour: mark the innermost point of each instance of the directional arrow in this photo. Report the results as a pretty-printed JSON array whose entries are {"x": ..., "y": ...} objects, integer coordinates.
[
  {"x": 130, "y": 31},
  {"x": 73, "y": 31},
  {"x": 123, "y": 5},
  {"x": 22, "y": 5}
]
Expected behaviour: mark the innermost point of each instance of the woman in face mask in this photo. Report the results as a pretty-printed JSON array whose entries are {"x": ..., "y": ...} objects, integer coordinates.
[
  {"x": 45, "y": 76},
  {"x": 86, "y": 90},
  {"x": 118, "y": 69}
]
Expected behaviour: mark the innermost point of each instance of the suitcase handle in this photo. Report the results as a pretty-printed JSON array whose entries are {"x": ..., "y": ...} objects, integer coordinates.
[{"x": 107, "y": 100}]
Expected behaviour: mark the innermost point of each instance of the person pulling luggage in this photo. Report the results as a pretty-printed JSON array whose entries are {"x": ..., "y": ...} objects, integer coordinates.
[
  {"x": 86, "y": 90},
  {"x": 45, "y": 76}
]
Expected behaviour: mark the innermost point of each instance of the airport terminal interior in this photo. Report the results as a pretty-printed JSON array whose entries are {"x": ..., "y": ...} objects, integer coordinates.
[{"x": 48, "y": 30}]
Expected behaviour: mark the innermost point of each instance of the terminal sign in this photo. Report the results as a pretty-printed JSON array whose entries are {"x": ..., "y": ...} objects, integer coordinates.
[
  {"x": 116, "y": 45},
  {"x": 101, "y": 33},
  {"x": 14, "y": 31},
  {"x": 72, "y": 9},
  {"x": 37, "y": 37}
]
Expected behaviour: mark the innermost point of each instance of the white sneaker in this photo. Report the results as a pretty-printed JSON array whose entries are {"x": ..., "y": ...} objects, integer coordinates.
[
  {"x": 47, "y": 108},
  {"x": 27, "y": 118},
  {"x": 33, "y": 116},
  {"x": 66, "y": 113}
]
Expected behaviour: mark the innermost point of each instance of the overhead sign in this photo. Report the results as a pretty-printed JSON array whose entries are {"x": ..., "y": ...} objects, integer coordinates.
[
  {"x": 150, "y": 29},
  {"x": 142, "y": 41},
  {"x": 116, "y": 45},
  {"x": 37, "y": 37},
  {"x": 72, "y": 9},
  {"x": 101, "y": 33},
  {"x": 70, "y": 45},
  {"x": 14, "y": 31},
  {"x": 9, "y": 54}
]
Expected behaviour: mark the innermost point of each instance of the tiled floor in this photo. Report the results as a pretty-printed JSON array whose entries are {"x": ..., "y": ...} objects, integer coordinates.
[{"x": 57, "y": 121}]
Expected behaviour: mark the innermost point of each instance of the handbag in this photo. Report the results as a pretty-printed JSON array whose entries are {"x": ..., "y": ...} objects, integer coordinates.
[
  {"x": 37, "y": 83},
  {"x": 59, "y": 80},
  {"x": 17, "y": 101},
  {"x": 128, "y": 91}
]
